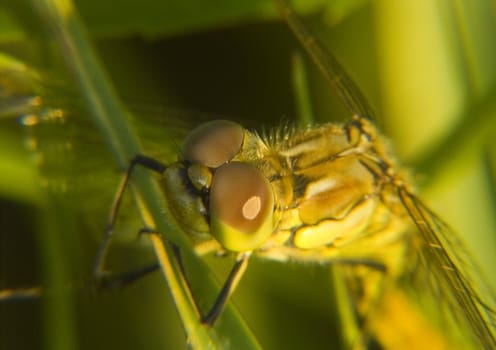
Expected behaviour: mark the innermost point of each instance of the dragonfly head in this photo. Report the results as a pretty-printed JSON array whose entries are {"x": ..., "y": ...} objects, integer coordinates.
[{"x": 213, "y": 190}]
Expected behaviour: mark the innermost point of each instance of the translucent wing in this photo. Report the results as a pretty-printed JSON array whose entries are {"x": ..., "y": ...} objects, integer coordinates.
[
  {"x": 328, "y": 65},
  {"x": 447, "y": 272},
  {"x": 439, "y": 300},
  {"x": 70, "y": 154},
  {"x": 439, "y": 268},
  {"x": 80, "y": 178}
]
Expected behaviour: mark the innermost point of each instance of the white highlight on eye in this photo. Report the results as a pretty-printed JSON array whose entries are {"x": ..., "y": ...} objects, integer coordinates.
[{"x": 252, "y": 207}]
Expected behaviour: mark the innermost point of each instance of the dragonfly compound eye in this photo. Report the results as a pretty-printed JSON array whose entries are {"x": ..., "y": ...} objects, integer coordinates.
[
  {"x": 213, "y": 144},
  {"x": 241, "y": 207}
]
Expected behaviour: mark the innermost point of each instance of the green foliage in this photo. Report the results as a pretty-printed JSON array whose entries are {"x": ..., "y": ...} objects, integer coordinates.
[{"x": 231, "y": 59}]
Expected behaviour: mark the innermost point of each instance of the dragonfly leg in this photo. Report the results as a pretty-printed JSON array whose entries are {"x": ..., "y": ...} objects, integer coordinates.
[
  {"x": 109, "y": 282},
  {"x": 122, "y": 280},
  {"x": 146, "y": 162},
  {"x": 105, "y": 282},
  {"x": 228, "y": 288},
  {"x": 369, "y": 263}
]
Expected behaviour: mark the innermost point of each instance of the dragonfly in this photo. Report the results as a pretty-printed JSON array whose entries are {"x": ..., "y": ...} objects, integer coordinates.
[{"x": 326, "y": 194}]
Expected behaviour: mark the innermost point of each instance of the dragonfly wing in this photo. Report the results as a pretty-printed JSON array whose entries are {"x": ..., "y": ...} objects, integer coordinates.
[
  {"x": 328, "y": 65},
  {"x": 445, "y": 270},
  {"x": 438, "y": 294}
]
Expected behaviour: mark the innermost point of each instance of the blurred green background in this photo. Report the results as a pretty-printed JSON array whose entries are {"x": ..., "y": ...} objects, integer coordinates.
[{"x": 426, "y": 67}]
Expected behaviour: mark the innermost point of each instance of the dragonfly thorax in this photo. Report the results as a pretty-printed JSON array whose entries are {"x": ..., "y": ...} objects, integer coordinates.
[{"x": 334, "y": 187}]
